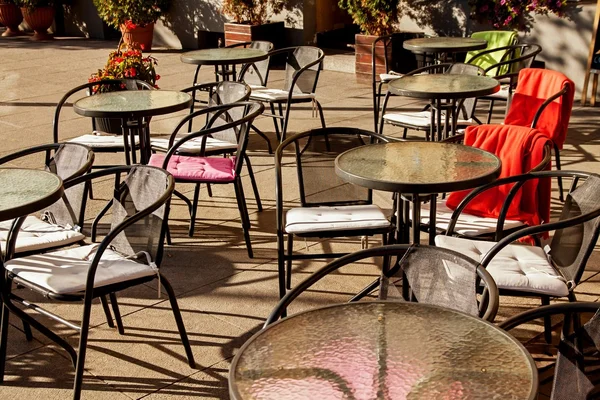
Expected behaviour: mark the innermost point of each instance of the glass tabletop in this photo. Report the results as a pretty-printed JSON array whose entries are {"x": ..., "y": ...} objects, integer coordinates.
[
  {"x": 386, "y": 350},
  {"x": 445, "y": 86},
  {"x": 132, "y": 103},
  {"x": 418, "y": 167},
  {"x": 444, "y": 44},
  {"x": 25, "y": 191},
  {"x": 223, "y": 56}
]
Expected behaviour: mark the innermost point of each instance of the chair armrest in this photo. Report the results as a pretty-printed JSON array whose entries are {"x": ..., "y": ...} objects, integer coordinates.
[
  {"x": 545, "y": 104},
  {"x": 545, "y": 311},
  {"x": 244, "y": 44}
]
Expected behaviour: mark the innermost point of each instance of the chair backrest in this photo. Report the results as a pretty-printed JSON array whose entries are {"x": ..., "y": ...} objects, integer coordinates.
[
  {"x": 495, "y": 40},
  {"x": 257, "y": 73},
  {"x": 466, "y": 107},
  {"x": 571, "y": 246},
  {"x": 543, "y": 99},
  {"x": 449, "y": 279},
  {"x": 89, "y": 89},
  {"x": 442, "y": 277},
  {"x": 576, "y": 373},
  {"x": 302, "y": 69},
  {"x": 236, "y": 117}
]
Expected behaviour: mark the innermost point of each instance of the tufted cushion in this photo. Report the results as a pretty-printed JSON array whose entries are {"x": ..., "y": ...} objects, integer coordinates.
[
  {"x": 515, "y": 267},
  {"x": 194, "y": 146},
  {"x": 389, "y": 77},
  {"x": 36, "y": 234},
  {"x": 102, "y": 140},
  {"x": 321, "y": 219},
  {"x": 467, "y": 224},
  {"x": 277, "y": 94},
  {"x": 419, "y": 118},
  {"x": 201, "y": 169},
  {"x": 66, "y": 271}
]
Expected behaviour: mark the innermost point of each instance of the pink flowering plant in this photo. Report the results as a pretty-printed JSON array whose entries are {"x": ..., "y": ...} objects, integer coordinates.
[
  {"x": 128, "y": 63},
  {"x": 512, "y": 14}
]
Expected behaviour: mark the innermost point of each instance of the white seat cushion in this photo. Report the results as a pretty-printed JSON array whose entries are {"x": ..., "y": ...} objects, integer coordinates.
[
  {"x": 36, "y": 235},
  {"x": 277, "y": 94},
  {"x": 257, "y": 87},
  {"x": 390, "y": 76},
  {"x": 65, "y": 271},
  {"x": 501, "y": 94},
  {"x": 194, "y": 146},
  {"x": 320, "y": 219},
  {"x": 102, "y": 139},
  {"x": 467, "y": 224},
  {"x": 419, "y": 118},
  {"x": 515, "y": 267}
]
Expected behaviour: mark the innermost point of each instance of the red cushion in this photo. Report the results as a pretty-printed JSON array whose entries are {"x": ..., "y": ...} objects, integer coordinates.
[{"x": 200, "y": 169}]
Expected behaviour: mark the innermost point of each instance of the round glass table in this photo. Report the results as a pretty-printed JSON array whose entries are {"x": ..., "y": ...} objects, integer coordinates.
[
  {"x": 382, "y": 350},
  {"x": 133, "y": 104},
  {"x": 417, "y": 168},
  {"x": 440, "y": 47},
  {"x": 223, "y": 57},
  {"x": 443, "y": 91}
]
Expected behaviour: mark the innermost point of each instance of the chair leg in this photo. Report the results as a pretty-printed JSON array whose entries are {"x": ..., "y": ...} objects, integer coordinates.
[
  {"x": 320, "y": 108},
  {"x": 3, "y": 340},
  {"x": 490, "y": 112},
  {"x": 286, "y": 120},
  {"x": 404, "y": 133},
  {"x": 98, "y": 218},
  {"x": 115, "y": 307},
  {"x": 168, "y": 235},
  {"x": 253, "y": 181},
  {"x": 83, "y": 337},
  {"x": 275, "y": 122},
  {"x": 266, "y": 139},
  {"x": 561, "y": 196},
  {"x": 109, "y": 319},
  {"x": 547, "y": 321},
  {"x": 193, "y": 210},
  {"x": 288, "y": 261},
  {"x": 209, "y": 190},
  {"x": 239, "y": 194},
  {"x": 27, "y": 331},
  {"x": 180, "y": 326},
  {"x": 281, "y": 264}
]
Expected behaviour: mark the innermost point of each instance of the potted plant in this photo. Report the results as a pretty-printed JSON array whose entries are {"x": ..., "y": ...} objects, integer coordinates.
[
  {"x": 513, "y": 14},
  {"x": 250, "y": 21},
  {"x": 10, "y": 17},
  {"x": 39, "y": 15},
  {"x": 135, "y": 18},
  {"x": 124, "y": 63}
]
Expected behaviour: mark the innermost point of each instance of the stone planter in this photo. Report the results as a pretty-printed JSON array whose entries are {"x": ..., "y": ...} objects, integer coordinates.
[
  {"x": 11, "y": 18},
  {"x": 139, "y": 37},
  {"x": 39, "y": 19},
  {"x": 273, "y": 32}
]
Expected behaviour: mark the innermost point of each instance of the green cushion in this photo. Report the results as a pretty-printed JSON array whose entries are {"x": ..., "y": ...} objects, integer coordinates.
[{"x": 494, "y": 39}]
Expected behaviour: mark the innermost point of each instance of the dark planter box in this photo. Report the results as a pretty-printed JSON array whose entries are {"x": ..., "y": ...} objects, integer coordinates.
[
  {"x": 399, "y": 59},
  {"x": 210, "y": 40}
]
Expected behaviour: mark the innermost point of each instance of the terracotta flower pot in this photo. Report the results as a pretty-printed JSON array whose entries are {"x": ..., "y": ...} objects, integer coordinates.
[
  {"x": 139, "y": 37},
  {"x": 11, "y": 17},
  {"x": 39, "y": 19}
]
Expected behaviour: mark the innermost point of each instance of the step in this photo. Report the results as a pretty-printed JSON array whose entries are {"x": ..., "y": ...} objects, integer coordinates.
[{"x": 339, "y": 60}]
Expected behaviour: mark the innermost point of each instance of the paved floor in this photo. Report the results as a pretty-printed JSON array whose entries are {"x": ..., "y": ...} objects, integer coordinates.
[{"x": 224, "y": 295}]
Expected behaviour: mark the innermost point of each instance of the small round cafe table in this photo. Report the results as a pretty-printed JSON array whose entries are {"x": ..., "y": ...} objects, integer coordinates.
[
  {"x": 444, "y": 91},
  {"x": 415, "y": 169},
  {"x": 441, "y": 47},
  {"x": 133, "y": 104},
  {"x": 223, "y": 57},
  {"x": 382, "y": 350}
]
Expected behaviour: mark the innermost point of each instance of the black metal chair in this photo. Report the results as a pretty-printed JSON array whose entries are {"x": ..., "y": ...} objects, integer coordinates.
[
  {"x": 129, "y": 255},
  {"x": 228, "y": 119},
  {"x": 256, "y": 74},
  {"x": 102, "y": 142},
  {"x": 60, "y": 224},
  {"x": 329, "y": 207},
  {"x": 421, "y": 120},
  {"x": 533, "y": 271},
  {"x": 423, "y": 274},
  {"x": 302, "y": 69},
  {"x": 506, "y": 71},
  {"x": 572, "y": 360}
]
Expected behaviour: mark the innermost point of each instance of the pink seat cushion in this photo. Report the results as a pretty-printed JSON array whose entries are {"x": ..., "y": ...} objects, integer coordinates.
[{"x": 204, "y": 169}]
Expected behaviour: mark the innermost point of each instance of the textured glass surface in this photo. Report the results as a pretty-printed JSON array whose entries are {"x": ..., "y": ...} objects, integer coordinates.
[
  {"x": 383, "y": 351},
  {"x": 424, "y": 163},
  {"x": 224, "y": 55},
  {"x": 444, "y": 84},
  {"x": 132, "y": 101},
  {"x": 441, "y": 44},
  {"x": 25, "y": 186}
]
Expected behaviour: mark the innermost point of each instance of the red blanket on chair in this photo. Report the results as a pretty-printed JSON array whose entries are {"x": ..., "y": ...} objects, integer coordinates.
[{"x": 520, "y": 149}]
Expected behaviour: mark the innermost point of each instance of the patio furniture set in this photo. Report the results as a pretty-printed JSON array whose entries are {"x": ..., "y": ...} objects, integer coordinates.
[{"x": 427, "y": 331}]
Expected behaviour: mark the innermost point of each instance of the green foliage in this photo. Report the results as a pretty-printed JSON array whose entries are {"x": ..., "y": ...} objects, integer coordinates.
[
  {"x": 139, "y": 12},
  {"x": 374, "y": 17},
  {"x": 7, "y": 2},
  {"x": 33, "y": 4},
  {"x": 253, "y": 12}
]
